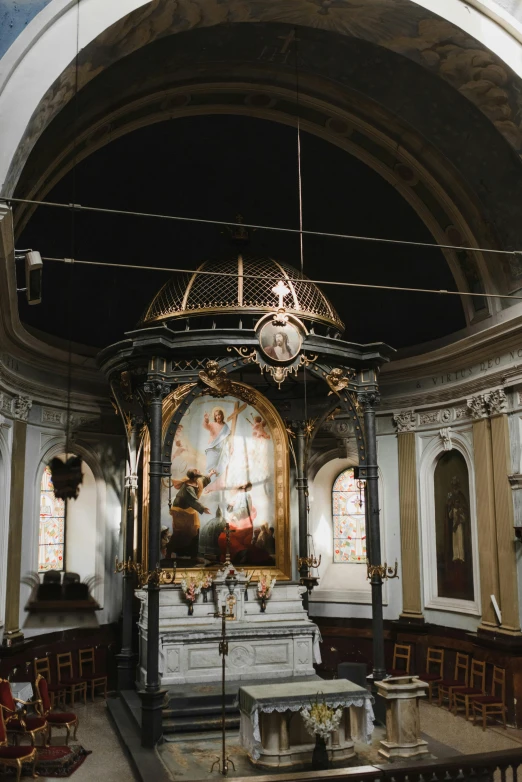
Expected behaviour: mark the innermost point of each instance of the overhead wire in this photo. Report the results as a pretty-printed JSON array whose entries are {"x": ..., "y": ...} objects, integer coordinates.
[
  {"x": 256, "y": 226},
  {"x": 341, "y": 283}
]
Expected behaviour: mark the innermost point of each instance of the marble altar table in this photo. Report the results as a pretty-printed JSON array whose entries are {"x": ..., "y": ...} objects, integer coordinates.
[{"x": 274, "y": 734}]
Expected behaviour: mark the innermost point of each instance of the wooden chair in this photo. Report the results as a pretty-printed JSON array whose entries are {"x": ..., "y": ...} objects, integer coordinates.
[
  {"x": 15, "y": 756},
  {"x": 42, "y": 667},
  {"x": 401, "y": 652},
  {"x": 55, "y": 719},
  {"x": 72, "y": 684},
  {"x": 460, "y": 679},
  {"x": 434, "y": 672},
  {"x": 486, "y": 705},
  {"x": 17, "y": 721},
  {"x": 477, "y": 686},
  {"x": 86, "y": 661}
]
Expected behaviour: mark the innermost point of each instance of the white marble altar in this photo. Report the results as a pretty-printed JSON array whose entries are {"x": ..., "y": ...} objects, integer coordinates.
[
  {"x": 280, "y": 642},
  {"x": 273, "y": 732}
]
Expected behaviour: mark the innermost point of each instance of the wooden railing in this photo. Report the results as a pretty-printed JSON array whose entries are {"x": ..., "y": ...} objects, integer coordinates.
[{"x": 462, "y": 768}]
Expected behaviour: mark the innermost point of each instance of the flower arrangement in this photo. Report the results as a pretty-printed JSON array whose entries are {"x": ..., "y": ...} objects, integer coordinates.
[
  {"x": 206, "y": 583},
  {"x": 265, "y": 585},
  {"x": 321, "y": 719},
  {"x": 191, "y": 587}
]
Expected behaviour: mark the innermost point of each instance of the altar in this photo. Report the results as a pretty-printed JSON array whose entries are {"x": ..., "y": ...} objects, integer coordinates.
[
  {"x": 273, "y": 732},
  {"x": 277, "y": 642}
]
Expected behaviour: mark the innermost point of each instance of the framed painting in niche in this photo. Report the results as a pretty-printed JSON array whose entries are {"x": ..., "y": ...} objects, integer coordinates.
[
  {"x": 229, "y": 462},
  {"x": 453, "y": 527}
]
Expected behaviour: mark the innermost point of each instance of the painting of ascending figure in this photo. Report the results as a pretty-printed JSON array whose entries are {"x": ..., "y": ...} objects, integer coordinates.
[{"x": 222, "y": 471}]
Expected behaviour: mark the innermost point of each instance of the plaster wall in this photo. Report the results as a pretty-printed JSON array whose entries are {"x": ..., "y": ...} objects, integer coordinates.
[
  {"x": 94, "y": 519},
  {"x": 344, "y": 590}
]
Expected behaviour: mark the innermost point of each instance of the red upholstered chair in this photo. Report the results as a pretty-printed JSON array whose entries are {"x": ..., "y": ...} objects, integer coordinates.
[
  {"x": 17, "y": 721},
  {"x": 460, "y": 679},
  {"x": 55, "y": 719},
  {"x": 434, "y": 670},
  {"x": 72, "y": 684},
  {"x": 462, "y": 696},
  {"x": 15, "y": 756},
  {"x": 88, "y": 672},
  {"x": 401, "y": 652},
  {"x": 484, "y": 705},
  {"x": 42, "y": 666}
]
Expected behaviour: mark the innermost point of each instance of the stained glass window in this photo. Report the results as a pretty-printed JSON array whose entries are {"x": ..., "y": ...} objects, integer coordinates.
[
  {"x": 349, "y": 529},
  {"x": 51, "y": 549}
]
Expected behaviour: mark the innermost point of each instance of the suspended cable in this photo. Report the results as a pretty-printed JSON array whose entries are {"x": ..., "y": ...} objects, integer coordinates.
[
  {"x": 440, "y": 291},
  {"x": 228, "y": 223}
]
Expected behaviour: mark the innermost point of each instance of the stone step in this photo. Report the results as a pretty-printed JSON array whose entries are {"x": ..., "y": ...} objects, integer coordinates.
[{"x": 195, "y": 723}]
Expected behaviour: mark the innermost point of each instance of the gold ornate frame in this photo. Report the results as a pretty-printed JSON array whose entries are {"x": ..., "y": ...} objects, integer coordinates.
[{"x": 171, "y": 403}]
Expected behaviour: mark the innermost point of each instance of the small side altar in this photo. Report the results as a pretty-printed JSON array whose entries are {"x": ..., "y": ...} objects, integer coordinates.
[
  {"x": 275, "y": 643},
  {"x": 274, "y": 734}
]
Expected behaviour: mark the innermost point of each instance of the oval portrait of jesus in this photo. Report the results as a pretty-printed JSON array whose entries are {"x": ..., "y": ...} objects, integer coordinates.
[{"x": 280, "y": 343}]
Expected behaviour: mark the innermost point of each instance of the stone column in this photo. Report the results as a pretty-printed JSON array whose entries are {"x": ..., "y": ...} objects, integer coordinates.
[
  {"x": 12, "y": 632},
  {"x": 507, "y": 570},
  {"x": 495, "y": 518},
  {"x": 152, "y": 697},
  {"x": 409, "y": 518},
  {"x": 485, "y": 502}
]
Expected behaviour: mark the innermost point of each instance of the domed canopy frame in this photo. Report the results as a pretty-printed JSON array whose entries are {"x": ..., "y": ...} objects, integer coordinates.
[{"x": 240, "y": 285}]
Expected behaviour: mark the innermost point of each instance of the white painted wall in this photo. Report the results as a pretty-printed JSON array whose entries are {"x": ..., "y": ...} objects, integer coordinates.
[
  {"x": 80, "y": 552},
  {"x": 344, "y": 590}
]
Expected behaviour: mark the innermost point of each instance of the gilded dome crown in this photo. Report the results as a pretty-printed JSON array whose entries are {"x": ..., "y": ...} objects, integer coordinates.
[{"x": 242, "y": 284}]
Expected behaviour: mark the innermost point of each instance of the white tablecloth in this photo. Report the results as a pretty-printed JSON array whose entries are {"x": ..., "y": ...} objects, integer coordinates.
[
  {"x": 22, "y": 690},
  {"x": 294, "y": 696}
]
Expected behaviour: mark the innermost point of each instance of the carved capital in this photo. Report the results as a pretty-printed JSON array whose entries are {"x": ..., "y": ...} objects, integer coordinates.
[
  {"x": 368, "y": 400},
  {"x": 405, "y": 421},
  {"x": 21, "y": 407},
  {"x": 156, "y": 390},
  {"x": 476, "y": 406},
  {"x": 496, "y": 401},
  {"x": 445, "y": 436}
]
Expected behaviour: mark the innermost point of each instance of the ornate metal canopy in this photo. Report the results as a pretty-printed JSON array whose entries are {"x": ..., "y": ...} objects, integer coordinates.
[{"x": 242, "y": 284}]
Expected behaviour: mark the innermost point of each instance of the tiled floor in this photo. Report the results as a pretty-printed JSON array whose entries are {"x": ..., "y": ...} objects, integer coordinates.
[
  {"x": 108, "y": 762},
  {"x": 189, "y": 757}
]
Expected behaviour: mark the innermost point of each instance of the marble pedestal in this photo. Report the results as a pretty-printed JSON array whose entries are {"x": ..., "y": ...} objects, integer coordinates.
[
  {"x": 280, "y": 642},
  {"x": 403, "y": 739}
]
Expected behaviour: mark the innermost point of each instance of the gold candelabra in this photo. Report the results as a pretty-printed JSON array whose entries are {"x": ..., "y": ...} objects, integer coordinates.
[
  {"x": 310, "y": 563},
  {"x": 383, "y": 571},
  {"x": 226, "y": 613},
  {"x": 145, "y": 577}
]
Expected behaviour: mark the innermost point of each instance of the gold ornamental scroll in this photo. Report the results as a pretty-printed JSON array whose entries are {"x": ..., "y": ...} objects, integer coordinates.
[{"x": 282, "y": 569}]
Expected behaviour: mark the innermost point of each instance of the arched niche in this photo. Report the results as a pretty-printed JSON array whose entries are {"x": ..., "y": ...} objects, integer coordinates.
[{"x": 439, "y": 498}]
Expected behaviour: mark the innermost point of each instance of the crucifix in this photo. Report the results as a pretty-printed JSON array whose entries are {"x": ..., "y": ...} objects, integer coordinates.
[
  {"x": 281, "y": 290},
  {"x": 238, "y": 408}
]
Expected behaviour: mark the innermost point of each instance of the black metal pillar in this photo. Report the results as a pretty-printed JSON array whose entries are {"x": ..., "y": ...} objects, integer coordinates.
[
  {"x": 152, "y": 697},
  {"x": 127, "y": 658},
  {"x": 369, "y": 402},
  {"x": 302, "y": 498}
]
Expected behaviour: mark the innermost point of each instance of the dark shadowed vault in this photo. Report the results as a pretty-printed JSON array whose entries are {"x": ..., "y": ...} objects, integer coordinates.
[{"x": 213, "y": 167}]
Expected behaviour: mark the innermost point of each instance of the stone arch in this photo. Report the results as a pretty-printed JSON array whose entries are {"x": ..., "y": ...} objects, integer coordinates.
[{"x": 405, "y": 29}]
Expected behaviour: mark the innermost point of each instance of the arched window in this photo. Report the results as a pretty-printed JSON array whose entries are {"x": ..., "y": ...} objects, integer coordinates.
[
  {"x": 349, "y": 528},
  {"x": 51, "y": 539}
]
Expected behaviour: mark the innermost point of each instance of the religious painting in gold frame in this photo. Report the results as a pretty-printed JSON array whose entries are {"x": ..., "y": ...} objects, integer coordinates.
[{"x": 237, "y": 444}]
